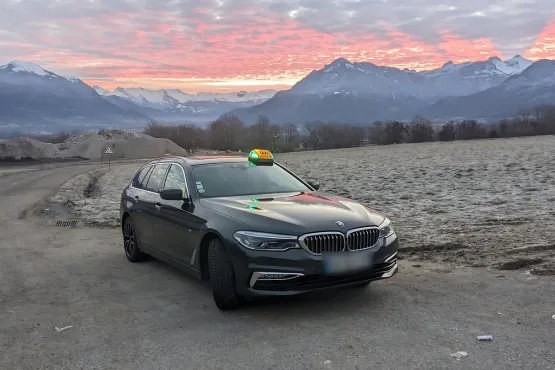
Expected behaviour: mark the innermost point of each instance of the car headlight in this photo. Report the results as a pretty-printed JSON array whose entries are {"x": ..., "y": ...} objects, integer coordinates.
[
  {"x": 386, "y": 229},
  {"x": 264, "y": 241}
]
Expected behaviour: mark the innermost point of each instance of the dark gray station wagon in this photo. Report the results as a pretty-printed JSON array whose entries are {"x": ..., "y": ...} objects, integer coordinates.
[{"x": 252, "y": 227}]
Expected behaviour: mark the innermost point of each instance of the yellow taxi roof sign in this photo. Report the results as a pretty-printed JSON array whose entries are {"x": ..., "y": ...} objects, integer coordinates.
[{"x": 261, "y": 155}]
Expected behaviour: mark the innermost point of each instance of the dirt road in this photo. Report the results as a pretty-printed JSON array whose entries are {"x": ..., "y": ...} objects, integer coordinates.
[{"x": 150, "y": 316}]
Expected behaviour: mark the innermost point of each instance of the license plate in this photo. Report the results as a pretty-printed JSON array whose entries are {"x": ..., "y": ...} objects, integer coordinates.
[{"x": 347, "y": 262}]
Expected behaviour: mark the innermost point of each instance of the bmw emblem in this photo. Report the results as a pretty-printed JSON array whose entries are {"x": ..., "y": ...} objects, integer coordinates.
[{"x": 339, "y": 223}]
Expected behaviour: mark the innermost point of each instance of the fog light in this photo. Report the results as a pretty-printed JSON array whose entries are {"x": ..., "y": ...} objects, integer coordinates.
[{"x": 273, "y": 276}]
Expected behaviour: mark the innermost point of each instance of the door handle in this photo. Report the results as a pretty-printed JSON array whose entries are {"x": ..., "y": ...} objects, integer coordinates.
[{"x": 158, "y": 206}]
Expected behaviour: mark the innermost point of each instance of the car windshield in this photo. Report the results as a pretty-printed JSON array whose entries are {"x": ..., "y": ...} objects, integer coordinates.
[{"x": 235, "y": 179}]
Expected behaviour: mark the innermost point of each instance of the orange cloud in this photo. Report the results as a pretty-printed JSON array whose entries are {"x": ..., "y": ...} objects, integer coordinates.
[
  {"x": 544, "y": 47},
  {"x": 157, "y": 49}
]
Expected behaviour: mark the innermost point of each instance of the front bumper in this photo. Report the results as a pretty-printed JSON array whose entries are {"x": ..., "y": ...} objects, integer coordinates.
[{"x": 266, "y": 273}]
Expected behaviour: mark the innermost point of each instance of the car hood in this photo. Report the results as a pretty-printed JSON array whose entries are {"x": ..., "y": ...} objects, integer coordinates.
[{"x": 295, "y": 213}]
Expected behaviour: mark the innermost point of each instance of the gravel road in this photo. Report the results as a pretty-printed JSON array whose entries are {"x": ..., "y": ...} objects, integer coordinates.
[{"x": 150, "y": 316}]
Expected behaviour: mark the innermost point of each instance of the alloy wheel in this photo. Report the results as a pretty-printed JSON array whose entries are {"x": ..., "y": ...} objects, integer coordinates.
[{"x": 129, "y": 242}]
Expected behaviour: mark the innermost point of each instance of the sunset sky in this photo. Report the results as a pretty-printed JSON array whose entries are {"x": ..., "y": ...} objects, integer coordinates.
[{"x": 231, "y": 45}]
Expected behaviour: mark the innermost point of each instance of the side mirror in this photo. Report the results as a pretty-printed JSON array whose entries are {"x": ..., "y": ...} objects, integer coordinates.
[
  {"x": 172, "y": 194},
  {"x": 314, "y": 184}
]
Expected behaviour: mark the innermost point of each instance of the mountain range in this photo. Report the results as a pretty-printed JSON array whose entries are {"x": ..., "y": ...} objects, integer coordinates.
[
  {"x": 361, "y": 93},
  {"x": 174, "y": 105},
  {"x": 34, "y": 99}
]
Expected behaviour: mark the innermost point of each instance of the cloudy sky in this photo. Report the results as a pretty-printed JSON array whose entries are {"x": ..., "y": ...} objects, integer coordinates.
[{"x": 205, "y": 45}]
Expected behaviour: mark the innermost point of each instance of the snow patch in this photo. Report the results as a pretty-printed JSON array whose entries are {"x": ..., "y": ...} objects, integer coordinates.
[
  {"x": 28, "y": 67},
  {"x": 100, "y": 91},
  {"x": 518, "y": 63},
  {"x": 512, "y": 66},
  {"x": 72, "y": 78},
  {"x": 164, "y": 96}
]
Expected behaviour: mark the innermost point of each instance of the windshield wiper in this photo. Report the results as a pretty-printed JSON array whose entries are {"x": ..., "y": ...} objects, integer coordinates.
[{"x": 285, "y": 196}]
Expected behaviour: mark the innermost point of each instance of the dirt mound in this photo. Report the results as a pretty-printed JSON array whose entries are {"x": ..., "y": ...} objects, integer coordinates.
[
  {"x": 106, "y": 134},
  {"x": 24, "y": 147},
  {"x": 94, "y": 147}
]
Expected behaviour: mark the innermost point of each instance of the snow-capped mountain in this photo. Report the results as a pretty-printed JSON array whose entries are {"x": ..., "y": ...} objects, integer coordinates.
[
  {"x": 162, "y": 97},
  {"x": 32, "y": 97},
  {"x": 364, "y": 92},
  {"x": 26, "y": 67},
  {"x": 174, "y": 104},
  {"x": 517, "y": 65},
  {"x": 534, "y": 86},
  {"x": 367, "y": 79}
]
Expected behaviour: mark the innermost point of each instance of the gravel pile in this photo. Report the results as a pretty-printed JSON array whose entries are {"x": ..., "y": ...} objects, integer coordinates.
[
  {"x": 125, "y": 144},
  {"x": 24, "y": 147}
]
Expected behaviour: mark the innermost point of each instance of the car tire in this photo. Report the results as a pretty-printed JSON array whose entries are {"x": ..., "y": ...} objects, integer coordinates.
[
  {"x": 222, "y": 277},
  {"x": 130, "y": 242}
]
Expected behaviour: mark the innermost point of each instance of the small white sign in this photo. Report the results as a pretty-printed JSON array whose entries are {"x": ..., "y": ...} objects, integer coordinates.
[{"x": 108, "y": 151}]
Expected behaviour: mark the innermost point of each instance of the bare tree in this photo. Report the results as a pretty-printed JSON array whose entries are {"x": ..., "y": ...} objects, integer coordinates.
[
  {"x": 225, "y": 132},
  {"x": 421, "y": 130},
  {"x": 314, "y": 134},
  {"x": 396, "y": 132},
  {"x": 290, "y": 131},
  {"x": 448, "y": 132},
  {"x": 377, "y": 134}
]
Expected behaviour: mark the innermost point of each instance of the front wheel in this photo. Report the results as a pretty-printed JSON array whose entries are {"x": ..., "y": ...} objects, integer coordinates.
[
  {"x": 130, "y": 244},
  {"x": 222, "y": 277}
]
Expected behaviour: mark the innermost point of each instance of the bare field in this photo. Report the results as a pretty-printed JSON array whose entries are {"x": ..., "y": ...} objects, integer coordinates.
[{"x": 487, "y": 203}]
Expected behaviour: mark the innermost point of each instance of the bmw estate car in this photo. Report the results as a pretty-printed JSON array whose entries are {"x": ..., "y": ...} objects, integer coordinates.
[{"x": 252, "y": 228}]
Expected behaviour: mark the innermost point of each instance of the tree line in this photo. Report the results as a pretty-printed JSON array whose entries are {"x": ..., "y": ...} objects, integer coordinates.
[{"x": 229, "y": 133}]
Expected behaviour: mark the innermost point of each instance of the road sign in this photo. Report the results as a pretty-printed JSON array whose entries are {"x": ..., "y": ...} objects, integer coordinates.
[{"x": 108, "y": 151}]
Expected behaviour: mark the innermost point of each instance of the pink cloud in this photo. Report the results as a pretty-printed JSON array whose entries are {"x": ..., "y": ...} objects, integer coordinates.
[
  {"x": 150, "y": 48},
  {"x": 544, "y": 47}
]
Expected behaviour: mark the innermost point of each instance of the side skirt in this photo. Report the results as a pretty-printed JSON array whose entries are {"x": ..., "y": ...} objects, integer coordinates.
[{"x": 170, "y": 261}]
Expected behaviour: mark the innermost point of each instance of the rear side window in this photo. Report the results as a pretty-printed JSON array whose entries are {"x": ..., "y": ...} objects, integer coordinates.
[
  {"x": 140, "y": 176},
  {"x": 157, "y": 177}
]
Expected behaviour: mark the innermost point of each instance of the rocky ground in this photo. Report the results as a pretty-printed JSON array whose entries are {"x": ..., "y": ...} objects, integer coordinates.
[{"x": 487, "y": 203}]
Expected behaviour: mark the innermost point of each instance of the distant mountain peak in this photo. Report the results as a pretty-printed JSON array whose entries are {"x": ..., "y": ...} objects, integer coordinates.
[
  {"x": 28, "y": 67},
  {"x": 449, "y": 63},
  {"x": 339, "y": 63},
  {"x": 494, "y": 58},
  {"x": 518, "y": 60}
]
